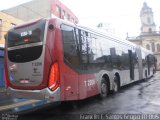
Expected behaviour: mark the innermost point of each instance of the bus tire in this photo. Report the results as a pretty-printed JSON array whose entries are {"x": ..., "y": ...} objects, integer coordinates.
[
  {"x": 104, "y": 89},
  {"x": 116, "y": 84}
]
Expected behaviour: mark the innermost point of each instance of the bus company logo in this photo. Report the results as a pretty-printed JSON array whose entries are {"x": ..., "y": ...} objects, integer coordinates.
[{"x": 35, "y": 70}]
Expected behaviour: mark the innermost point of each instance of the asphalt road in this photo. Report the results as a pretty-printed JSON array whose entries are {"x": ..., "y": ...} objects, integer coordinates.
[{"x": 139, "y": 98}]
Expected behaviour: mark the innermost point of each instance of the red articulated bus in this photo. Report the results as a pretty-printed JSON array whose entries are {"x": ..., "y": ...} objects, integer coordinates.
[{"x": 51, "y": 59}]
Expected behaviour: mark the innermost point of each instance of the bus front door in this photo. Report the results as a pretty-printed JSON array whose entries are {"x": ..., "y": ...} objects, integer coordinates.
[
  {"x": 131, "y": 65},
  {"x": 148, "y": 64}
]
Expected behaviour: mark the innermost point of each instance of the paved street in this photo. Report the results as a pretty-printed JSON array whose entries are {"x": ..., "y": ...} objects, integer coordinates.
[{"x": 139, "y": 98}]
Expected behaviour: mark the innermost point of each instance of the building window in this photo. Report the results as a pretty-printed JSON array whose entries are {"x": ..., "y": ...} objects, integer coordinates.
[
  {"x": 0, "y": 28},
  {"x": 63, "y": 14},
  {"x": 12, "y": 25},
  {"x": 58, "y": 10},
  {"x": 100, "y": 25},
  {"x": 72, "y": 19},
  {"x": 158, "y": 47},
  {"x": 150, "y": 30},
  {"x": 0, "y": 22},
  {"x": 149, "y": 20},
  {"x": 68, "y": 17},
  {"x": 153, "y": 47},
  {"x": 148, "y": 46}
]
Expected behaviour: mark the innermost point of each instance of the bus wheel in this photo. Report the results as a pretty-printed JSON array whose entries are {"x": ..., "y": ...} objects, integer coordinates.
[
  {"x": 104, "y": 88},
  {"x": 116, "y": 84}
]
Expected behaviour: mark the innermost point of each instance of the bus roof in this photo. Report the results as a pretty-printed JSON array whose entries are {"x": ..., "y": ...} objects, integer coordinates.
[{"x": 107, "y": 34}]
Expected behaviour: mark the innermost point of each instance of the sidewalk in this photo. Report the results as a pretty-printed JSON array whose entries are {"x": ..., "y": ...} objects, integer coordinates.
[
  {"x": 6, "y": 101},
  {"x": 4, "y": 97},
  {"x": 9, "y": 104}
]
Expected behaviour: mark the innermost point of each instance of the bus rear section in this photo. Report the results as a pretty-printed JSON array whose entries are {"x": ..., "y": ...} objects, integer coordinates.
[{"x": 29, "y": 69}]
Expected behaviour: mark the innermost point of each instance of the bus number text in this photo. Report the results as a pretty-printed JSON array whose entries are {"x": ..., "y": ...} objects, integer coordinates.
[{"x": 89, "y": 82}]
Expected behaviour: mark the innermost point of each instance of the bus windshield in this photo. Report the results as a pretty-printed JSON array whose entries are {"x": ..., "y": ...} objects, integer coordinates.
[{"x": 27, "y": 34}]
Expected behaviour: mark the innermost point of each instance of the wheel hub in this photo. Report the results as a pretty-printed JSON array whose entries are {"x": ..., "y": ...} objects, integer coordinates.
[{"x": 104, "y": 88}]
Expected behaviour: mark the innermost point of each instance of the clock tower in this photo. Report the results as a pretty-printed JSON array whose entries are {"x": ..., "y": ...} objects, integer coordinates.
[{"x": 147, "y": 20}]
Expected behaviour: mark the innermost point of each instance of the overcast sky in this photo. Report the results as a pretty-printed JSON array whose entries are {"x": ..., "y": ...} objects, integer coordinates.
[{"x": 122, "y": 15}]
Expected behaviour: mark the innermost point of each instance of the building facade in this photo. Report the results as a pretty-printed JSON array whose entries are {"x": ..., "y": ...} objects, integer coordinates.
[
  {"x": 36, "y": 9},
  {"x": 1, "y": 67},
  {"x": 149, "y": 37},
  {"x": 7, "y": 22}
]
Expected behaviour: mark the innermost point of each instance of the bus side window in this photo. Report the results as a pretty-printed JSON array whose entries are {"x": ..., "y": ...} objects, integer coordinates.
[
  {"x": 69, "y": 46},
  {"x": 86, "y": 48}
]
